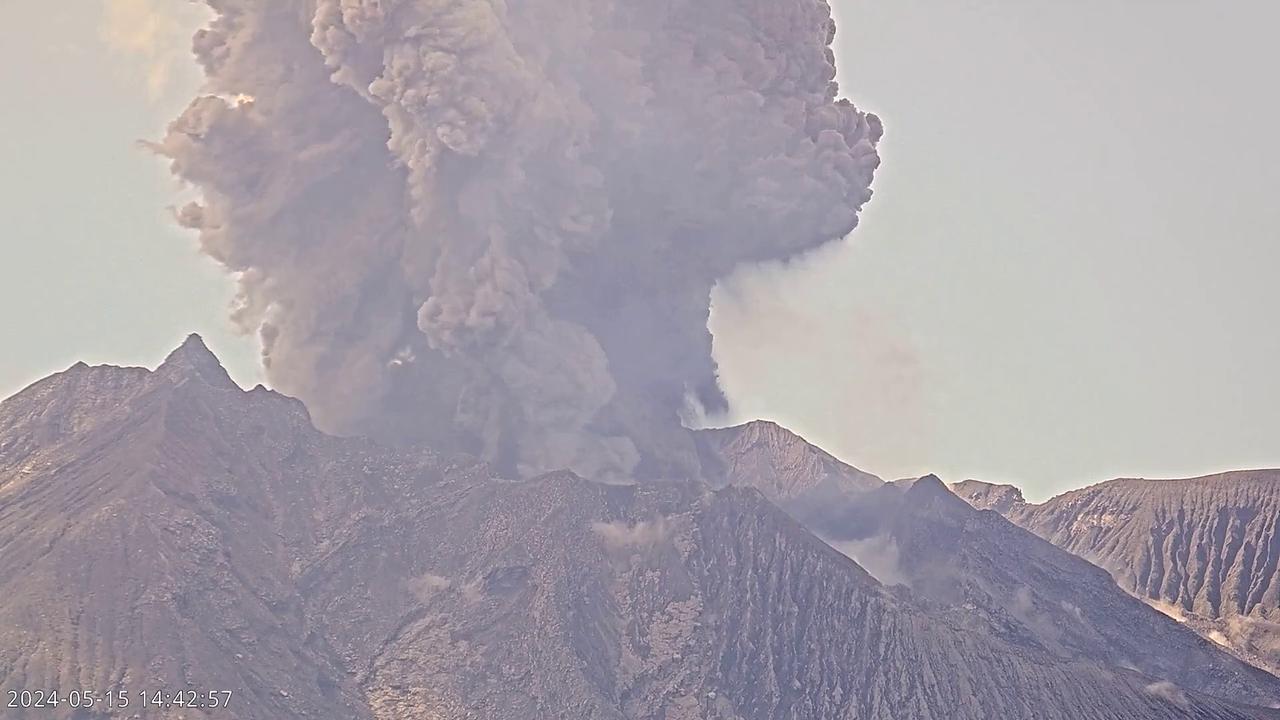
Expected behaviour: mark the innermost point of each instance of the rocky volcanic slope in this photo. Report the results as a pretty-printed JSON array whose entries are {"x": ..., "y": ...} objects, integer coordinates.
[
  {"x": 777, "y": 462},
  {"x": 1206, "y": 550},
  {"x": 165, "y": 530},
  {"x": 989, "y": 496},
  {"x": 921, "y": 536}
]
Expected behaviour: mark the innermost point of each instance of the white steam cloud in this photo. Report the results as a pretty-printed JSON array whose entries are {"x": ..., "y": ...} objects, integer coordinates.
[
  {"x": 878, "y": 555},
  {"x": 643, "y": 535},
  {"x": 1168, "y": 692},
  {"x": 495, "y": 226}
]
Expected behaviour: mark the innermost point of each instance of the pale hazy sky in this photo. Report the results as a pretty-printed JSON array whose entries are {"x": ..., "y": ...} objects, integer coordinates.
[{"x": 1068, "y": 272}]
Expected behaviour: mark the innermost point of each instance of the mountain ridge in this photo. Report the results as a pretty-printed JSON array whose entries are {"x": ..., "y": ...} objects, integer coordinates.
[
  {"x": 1204, "y": 550},
  {"x": 919, "y": 534},
  {"x": 170, "y": 531}
]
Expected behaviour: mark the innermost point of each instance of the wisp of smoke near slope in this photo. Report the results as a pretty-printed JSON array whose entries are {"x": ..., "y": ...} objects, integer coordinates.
[{"x": 495, "y": 226}]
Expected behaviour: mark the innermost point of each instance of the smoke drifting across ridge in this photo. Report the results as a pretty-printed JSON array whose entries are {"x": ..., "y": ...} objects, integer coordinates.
[{"x": 495, "y": 226}]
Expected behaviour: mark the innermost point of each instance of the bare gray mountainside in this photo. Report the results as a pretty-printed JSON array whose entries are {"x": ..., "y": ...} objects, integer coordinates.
[
  {"x": 777, "y": 462},
  {"x": 167, "y": 530},
  {"x": 1205, "y": 550},
  {"x": 918, "y": 535},
  {"x": 989, "y": 496}
]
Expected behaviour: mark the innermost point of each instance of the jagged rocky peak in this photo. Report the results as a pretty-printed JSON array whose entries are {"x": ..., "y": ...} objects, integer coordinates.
[
  {"x": 930, "y": 487},
  {"x": 194, "y": 360},
  {"x": 776, "y": 461},
  {"x": 74, "y": 402},
  {"x": 989, "y": 496}
]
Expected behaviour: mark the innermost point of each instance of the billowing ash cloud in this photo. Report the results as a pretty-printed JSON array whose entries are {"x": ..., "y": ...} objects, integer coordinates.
[{"x": 495, "y": 225}]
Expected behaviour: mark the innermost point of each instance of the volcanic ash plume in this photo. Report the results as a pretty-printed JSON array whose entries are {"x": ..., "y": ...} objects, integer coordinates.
[{"x": 495, "y": 226}]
